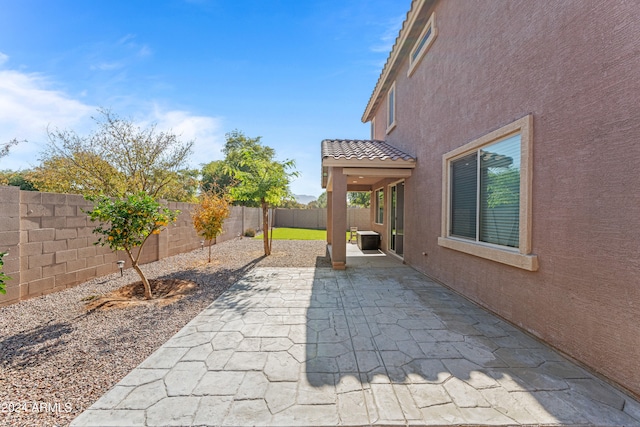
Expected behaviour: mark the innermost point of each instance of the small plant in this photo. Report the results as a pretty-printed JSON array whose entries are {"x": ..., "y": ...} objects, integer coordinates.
[
  {"x": 249, "y": 232},
  {"x": 210, "y": 214},
  {"x": 127, "y": 223},
  {"x": 3, "y": 277}
]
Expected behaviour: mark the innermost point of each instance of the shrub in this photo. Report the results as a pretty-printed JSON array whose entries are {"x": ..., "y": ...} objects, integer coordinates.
[
  {"x": 249, "y": 232},
  {"x": 3, "y": 277},
  {"x": 208, "y": 217},
  {"x": 127, "y": 223}
]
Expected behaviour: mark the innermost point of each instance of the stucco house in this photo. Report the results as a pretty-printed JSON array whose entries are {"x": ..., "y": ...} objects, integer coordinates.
[{"x": 503, "y": 162}]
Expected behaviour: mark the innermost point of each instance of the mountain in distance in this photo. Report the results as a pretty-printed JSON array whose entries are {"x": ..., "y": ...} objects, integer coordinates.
[{"x": 304, "y": 199}]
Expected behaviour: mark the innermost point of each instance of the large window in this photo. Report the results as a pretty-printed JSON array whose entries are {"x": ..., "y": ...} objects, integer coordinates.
[
  {"x": 391, "y": 108},
  {"x": 486, "y": 191},
  {"x": 379, "y": 203},
  {"x": 423, "y": 43}
]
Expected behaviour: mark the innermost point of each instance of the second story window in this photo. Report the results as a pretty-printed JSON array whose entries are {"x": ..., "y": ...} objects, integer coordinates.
[
  {"x": 423, "y": 43},
  {"x": 391, "y": 108}
]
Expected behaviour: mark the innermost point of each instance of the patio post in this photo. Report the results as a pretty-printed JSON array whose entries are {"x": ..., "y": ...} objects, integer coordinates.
[
  {"x": 338, "y": 219},
  {"x": 329, "y": 215}
]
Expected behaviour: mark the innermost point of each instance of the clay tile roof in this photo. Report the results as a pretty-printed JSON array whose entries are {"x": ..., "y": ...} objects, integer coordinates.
[{"x": 362, "y": 150}]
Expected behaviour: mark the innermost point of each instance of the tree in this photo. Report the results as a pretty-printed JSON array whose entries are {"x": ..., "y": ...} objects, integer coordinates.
[
  {"x": 118, "y": 159},
  {"x": 261, "y": 180},
  {"x": 359, "y": 198},
  {"x": 4, "y": 148},
  {"x": 3, "y": 277},
  {"x": 322, "y": 200},
  {"x": 127, "y": 223},
  {"x": 208, "y": 217},
  {"x": 214, "y": 177},
  {"x": 217, "y": 175},
  {"x": 20, "y": 179},
  {"x": 291, "y": 204}
]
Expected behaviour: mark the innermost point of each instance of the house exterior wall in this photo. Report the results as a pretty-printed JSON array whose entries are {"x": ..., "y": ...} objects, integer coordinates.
[{"x": 573, "y": 65}]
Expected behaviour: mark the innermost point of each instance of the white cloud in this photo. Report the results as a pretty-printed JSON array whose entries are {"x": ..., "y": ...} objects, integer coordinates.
[
  {"x": 3, "y": 58},
  {"x": 27, "y": 106},
  {"x": 205, "y": 131},
  {"x": 389, "y": 35}
]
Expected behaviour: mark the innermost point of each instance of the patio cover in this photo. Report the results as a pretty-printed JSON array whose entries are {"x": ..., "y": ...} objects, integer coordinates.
[{"x": 355, "y": 165}]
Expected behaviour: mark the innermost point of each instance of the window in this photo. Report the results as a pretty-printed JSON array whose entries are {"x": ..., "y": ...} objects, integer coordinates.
[
  {"x": 423, "y": 43},
  {"x": 379, "y": 203},
  {"x": 486, "y": 191},
  {"x": 391, "y": 108}
]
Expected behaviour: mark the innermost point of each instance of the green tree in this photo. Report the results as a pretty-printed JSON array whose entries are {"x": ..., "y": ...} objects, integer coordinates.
[
  {"x": 208, "y": 217},
  {"x": 359, "y": 198},
  {"x": 126, "y": 224},
  {"x": 22, "y": 179},
  {"x": 260, "y": 179},
  {"x": 117, "y": 159},
  {"x": 3, "y": 277},
  {"x": 217, "y": 175},
  {"x": 214, "y": 177},
  {"x": 322, "y": 200}
]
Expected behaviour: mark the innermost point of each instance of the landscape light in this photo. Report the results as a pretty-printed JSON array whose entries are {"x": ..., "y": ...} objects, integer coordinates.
[{"x": 121, "y": 266}]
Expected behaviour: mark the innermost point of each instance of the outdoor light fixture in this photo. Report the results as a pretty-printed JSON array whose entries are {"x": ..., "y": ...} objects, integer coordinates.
[
  {"x": 121, "y": 266},
  {"x": 202, "y": 244}
]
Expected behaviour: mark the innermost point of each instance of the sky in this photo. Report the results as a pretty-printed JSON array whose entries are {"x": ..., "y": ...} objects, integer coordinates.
[{"x": 293, "y": 72}]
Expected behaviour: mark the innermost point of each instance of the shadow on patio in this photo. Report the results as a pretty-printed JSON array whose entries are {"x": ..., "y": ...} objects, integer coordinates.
[{"x": 394, "y": 347}]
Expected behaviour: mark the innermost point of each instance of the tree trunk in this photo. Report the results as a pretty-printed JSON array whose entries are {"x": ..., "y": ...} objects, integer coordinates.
[
  {"x": 145, "y": 282},
  {"x": 134, "y": 264},
  {"x": 265, "y": 227},
  {"x": 210, "y": 249}
]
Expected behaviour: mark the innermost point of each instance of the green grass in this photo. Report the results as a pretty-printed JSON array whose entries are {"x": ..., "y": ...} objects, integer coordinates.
[
  {"x": 285, "y": 233},
  {"x": 296, "y": 234}
]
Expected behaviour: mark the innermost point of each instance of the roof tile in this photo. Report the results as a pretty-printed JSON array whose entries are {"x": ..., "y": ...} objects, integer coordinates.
[{"x": 362, "y": 149}]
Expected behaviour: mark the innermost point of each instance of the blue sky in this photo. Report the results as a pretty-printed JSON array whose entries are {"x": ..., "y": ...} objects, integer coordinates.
[{"x": 294, "y": 72}]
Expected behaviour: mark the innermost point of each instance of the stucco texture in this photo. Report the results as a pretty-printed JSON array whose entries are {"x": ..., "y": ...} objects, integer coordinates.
[{"x": 574, "y": 66}]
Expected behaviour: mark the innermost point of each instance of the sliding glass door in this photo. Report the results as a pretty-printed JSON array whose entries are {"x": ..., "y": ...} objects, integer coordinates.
[{"x": 396, "y": 216}]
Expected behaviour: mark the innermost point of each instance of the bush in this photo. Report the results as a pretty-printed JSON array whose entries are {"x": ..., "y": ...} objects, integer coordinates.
[
  {"x": 3, "y": 277},
  {"x": 249, "y": 232}
]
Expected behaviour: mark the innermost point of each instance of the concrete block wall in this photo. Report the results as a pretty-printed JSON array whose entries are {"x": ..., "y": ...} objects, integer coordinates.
[
  {"x": 317, "y": 218},
  {"x": 51, "y": 244}
]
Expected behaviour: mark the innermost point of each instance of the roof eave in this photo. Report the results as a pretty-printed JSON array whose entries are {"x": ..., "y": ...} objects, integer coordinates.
[{"x": 393, "y": 59}]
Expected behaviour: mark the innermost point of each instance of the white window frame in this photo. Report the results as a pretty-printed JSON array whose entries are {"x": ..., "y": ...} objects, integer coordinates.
[
  {"x": 377, "y": 206},
  {"x": 420, "y": 49},
  {"x": 391, "y": 112},
  {"x": 520, "y": 257}
]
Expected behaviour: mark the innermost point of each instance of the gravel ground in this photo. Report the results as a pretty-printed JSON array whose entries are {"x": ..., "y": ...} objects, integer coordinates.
[{"x": 56, "y": 358}]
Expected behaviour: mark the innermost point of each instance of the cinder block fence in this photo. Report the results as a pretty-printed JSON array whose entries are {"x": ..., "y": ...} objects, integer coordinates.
[{"x": 51, "y": 245}]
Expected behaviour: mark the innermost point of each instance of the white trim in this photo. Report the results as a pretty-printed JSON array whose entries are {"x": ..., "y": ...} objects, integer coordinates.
[
  {"x": 520, "y": 257},
  {"x": 376, "y": 207},
  {"x": 390, "y": 113},
  {"x": 414, "y": 12},
  {"x": 422, "y": 50}
]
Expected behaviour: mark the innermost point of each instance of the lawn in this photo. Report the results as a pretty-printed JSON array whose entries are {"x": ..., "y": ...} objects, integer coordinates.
[{"x": 284, "y": 233}]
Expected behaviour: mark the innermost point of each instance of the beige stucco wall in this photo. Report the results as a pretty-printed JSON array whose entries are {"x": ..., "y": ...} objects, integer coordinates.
[{"x": 573, "y": 66}]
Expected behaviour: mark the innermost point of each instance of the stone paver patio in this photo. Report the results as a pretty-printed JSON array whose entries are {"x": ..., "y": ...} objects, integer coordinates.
[{"x": 381, "y": 346}]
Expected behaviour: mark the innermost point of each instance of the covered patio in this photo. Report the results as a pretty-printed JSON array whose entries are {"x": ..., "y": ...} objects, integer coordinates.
[{"x": 355, "y": 165}]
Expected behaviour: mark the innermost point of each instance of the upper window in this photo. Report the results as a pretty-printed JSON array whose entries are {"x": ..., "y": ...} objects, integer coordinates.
[
  {"x": 379, "y": 206},
  {"x": 391, "y": 108},
  {"x": 423, "y": 43},
  {"x": 486, "y": 194}
]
